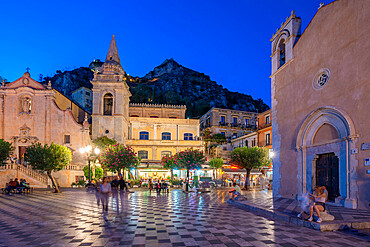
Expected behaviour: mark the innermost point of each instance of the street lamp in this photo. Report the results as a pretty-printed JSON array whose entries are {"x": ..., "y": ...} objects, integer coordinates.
[{"x": 88, "y": 151}]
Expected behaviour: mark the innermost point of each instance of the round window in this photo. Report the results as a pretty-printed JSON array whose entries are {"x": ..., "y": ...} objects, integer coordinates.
[{"x": 321, "y": 79}]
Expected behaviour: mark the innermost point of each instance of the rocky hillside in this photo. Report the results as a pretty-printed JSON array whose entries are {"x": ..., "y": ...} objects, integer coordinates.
[{"x": 169, "y": 83}]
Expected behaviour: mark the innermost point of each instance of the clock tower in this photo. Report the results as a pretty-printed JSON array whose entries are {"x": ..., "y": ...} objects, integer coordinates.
[{"x": 111, "y": 97}]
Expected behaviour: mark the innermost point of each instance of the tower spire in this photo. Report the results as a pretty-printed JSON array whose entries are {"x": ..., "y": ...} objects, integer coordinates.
[{"x": 113, "y": 52}]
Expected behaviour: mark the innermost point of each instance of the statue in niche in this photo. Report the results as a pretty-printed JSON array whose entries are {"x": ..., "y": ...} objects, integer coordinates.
[{"x": 26, "y": 105}]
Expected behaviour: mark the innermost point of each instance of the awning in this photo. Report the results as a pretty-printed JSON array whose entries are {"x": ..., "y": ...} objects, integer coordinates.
[{"x": 240, "y": 171}]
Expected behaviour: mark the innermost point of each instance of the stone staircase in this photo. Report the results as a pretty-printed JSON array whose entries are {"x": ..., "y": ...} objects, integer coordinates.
[{"x": 11, "y": 171}]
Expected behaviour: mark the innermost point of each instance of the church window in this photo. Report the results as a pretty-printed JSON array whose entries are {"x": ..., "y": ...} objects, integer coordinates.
[
  {"x": 246, "y": 122},
  {"x": 188, "y": 136},
  {"x": 106, "y": 131},
  {"x": 166, "y": 136},
  {"x": 144, "y": 135},
  {"x": 134, "y": 116},
  {"x": 142, "y": 154},
  {"x": 166, "y": 153},
  {"x": 67, "y": 139},
  {"x": 282, "y": 53},
  {"x": 108, "y": 104},
  {"x": 154, "y": 116},
  {"x": 321, "y": 78}
]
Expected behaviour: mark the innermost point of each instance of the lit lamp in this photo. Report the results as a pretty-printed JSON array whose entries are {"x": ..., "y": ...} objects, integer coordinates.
[
  {"x": 89, "y": 154},
  {"x": 271, "y": 153}
]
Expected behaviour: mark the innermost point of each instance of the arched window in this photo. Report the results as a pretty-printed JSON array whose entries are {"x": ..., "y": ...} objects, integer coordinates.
[
  {"x": 166, "y": 153},
  {"x": 108, "y": 104},
  {"x": 166, "y": 136},
  {"x": 188, "y": 136},
  {"x": 282, "y": 53},
  {"x": 144, "y": 135},
  {"x": 142, "y": 154}
]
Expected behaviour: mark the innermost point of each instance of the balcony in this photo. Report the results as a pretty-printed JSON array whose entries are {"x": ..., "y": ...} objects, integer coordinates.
[
  {"x": 264, "y": 144},
  {"x": 263, "y": 126}
]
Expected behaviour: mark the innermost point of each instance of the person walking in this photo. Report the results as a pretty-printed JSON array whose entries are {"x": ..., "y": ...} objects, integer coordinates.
[
  {"x": 150, "y": 185},
  {"x": 105, "y": 190}
]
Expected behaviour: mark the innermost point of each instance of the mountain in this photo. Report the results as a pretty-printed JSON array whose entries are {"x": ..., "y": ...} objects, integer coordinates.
[
  {"x": 168, "y": 83},
  {"x": 172, "y": 83}
]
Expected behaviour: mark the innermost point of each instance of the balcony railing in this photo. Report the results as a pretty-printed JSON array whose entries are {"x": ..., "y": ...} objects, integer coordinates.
[
  {"x": 263, "y": 126},
  {"x": 237, "y": 125}
]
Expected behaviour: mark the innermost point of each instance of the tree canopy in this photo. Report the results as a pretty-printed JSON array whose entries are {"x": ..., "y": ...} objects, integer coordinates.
[
  {"x": 47, "y": 159},
  {"x": 216, "y": 163},
  {"x": 103, "y": 142},
  {"x": 6, "y": 150},
  {"x": 117, "y": 157},
  {"x": 250, "y": 158},
  {"x": 190, "y": 159}
]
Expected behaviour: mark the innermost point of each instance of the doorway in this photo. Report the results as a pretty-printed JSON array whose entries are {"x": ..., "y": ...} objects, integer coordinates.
[
  {"x": 21, "y": 152},
  {"x": 327, "y": 174}
]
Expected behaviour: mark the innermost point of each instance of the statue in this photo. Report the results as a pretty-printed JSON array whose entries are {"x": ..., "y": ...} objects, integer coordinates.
[{"x": 26, "y": 105}]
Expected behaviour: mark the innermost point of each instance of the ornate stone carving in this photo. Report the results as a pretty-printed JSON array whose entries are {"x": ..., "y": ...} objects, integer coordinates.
[{"x": 26, "y": 105}]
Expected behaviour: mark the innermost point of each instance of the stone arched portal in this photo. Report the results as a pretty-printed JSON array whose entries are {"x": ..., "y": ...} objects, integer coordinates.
[{"x": 327, "y": 132}]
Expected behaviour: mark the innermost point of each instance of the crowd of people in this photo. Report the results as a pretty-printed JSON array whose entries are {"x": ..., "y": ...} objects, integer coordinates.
[{"x": 16, "y": 186}]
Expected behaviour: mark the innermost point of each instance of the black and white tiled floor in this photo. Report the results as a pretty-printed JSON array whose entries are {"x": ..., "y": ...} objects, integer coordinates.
[{"x": 73, "y": 218}]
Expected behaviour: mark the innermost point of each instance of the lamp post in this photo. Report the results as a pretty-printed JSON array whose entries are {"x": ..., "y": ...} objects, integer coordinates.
[{"x": 88, "y": 151}]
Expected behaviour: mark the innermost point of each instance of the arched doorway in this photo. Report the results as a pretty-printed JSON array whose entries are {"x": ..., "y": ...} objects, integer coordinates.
[{"x": 324, "y": 142}]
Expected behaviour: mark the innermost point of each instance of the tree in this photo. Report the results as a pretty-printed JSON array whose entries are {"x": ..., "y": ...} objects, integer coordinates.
[
  {"x": 98, "y": 174},
  {"x": 168, "y": 162},
  {"x": 48, "y": 159},
  {"x": 216, "y": 163},
  {"x": 103, "y": 141},
  {"x": 6, "y": 150},
  {"x": 189, "y": 159},
  {"x": 250, "y": 158},
  {"x": 118, "y": 157}
]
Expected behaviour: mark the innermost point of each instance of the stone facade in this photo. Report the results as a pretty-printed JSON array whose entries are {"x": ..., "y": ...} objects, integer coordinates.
[
  {"x": 248, "y": 140},
  {"x": 320, "y": 98},
  {"x": 111, "y": 97},
  {"x": 29, "y": 114},
  {"x": 264, "y": 129},
  {"x": 83, "y": 96},
  {"x": 231, "y": 123}
]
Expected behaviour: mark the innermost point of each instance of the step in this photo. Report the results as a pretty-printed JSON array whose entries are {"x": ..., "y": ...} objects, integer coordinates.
[{"x": 324, "y": 226}]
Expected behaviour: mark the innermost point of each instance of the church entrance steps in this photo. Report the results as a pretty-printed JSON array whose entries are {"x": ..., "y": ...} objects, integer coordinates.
[
  {"x": 287, "y": 210},
  {"x": 11, "y": 171}
]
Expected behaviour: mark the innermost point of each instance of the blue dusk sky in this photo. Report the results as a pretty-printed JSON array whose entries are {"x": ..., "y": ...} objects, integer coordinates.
[{"x": 228, "y": 40}]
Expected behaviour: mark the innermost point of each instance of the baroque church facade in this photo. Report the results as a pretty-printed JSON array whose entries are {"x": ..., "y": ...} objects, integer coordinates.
[
  {"x": 32, "y": 112},
  {"x": 320, "y": 100}
]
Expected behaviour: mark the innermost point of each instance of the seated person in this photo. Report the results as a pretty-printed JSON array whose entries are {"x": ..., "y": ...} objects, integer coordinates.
[
  {"x": 319, "y": 198},
  {"x": 236, "y": 191},
  {"x": 12, "y": 185}
]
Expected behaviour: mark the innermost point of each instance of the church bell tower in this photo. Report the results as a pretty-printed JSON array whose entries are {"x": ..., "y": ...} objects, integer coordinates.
[{"x": 111, "y": 97}]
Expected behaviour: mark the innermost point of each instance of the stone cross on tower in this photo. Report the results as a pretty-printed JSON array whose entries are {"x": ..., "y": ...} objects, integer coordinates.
[{"x": 28, "y": 69}]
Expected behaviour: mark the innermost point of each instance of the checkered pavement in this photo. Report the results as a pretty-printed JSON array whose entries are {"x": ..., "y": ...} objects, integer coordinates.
[{"x": 73, "y": 218}]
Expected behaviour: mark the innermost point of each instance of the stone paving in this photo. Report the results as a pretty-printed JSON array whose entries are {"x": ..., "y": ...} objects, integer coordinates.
[
  {"x": 288, "y": 209},
  {"x": 73, "y": 218}
]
